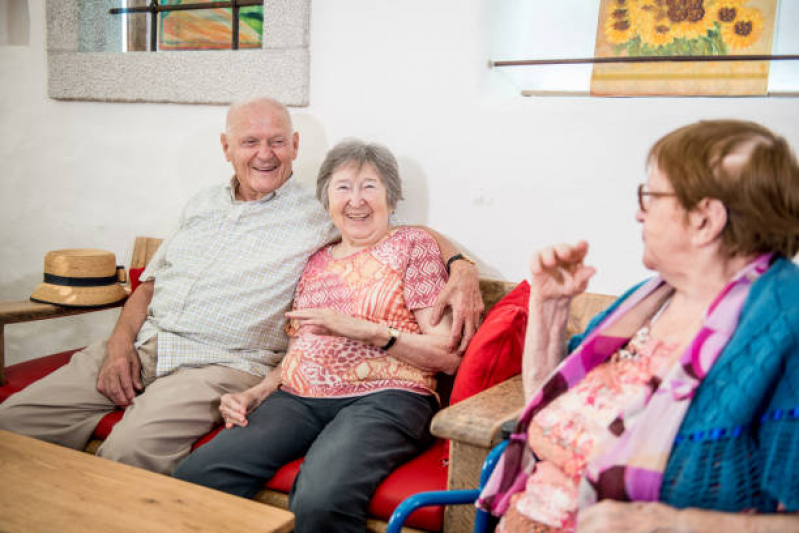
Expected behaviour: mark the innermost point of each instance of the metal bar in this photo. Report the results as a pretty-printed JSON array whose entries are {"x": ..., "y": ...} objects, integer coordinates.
[
  {"x": 235, "y": 28},
  {"x": 185, "y": 7},
  {"x": 153, "y": 9},
  {"x": 640, "y": 59}
]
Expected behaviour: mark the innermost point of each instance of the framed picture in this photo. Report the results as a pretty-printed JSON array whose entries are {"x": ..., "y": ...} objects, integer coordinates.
[{"x": 652, "y": 28}]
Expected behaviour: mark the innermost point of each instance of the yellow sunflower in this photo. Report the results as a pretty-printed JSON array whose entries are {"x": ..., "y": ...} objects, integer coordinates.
[
  {"x": 618, "y": 28},
  {"x": 650, "y": 20},
  {"x": 694, "y": 19},
  {"x": 726, "y": 11},
  {"x": 745, "y": 30}
]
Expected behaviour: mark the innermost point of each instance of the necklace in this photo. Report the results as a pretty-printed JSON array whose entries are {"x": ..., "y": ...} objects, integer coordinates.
[{"x": 630, "y": 350}]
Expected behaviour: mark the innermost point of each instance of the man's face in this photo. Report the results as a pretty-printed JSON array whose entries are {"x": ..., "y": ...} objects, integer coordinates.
[{"x": 261, "y": 147}]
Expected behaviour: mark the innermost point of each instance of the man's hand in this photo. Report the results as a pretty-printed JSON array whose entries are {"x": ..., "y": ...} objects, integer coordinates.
[
  {"x": 462, "y": 295},
  {"x": 119, "y": 378}
]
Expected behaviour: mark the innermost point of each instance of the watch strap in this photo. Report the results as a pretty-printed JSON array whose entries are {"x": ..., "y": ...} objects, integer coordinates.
[
  {"x": 456, "y": 257},
  {"x": 393, "y": 335}
]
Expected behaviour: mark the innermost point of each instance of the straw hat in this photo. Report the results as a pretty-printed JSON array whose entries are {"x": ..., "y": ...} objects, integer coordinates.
[{"x": 81, "y": 277}]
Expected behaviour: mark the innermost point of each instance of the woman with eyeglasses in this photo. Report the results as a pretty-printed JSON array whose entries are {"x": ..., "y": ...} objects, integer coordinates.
[{"x": 678, "y": 408}]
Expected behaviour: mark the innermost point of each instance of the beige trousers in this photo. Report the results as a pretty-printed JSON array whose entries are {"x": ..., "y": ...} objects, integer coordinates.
[{"x": 157, "y": 429}]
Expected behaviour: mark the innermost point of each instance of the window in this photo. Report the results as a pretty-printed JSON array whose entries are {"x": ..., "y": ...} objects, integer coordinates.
[{"x": 85, "y": 59}]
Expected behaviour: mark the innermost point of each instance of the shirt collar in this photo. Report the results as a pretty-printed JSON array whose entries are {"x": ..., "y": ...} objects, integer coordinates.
[{"x": 233, "y": 186}]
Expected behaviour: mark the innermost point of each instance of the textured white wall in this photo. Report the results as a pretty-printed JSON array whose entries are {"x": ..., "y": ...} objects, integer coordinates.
[{"x": 500, "y": 174}]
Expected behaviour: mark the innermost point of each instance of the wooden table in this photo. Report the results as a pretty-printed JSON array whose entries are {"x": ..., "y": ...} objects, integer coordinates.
[{"x": 45, "y": 487}]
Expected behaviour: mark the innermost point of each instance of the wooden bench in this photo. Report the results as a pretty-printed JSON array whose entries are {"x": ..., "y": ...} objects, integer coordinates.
[{"x": 469, "y": 429}]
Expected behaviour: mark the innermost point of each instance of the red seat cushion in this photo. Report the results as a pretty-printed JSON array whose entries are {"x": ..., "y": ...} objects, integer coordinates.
[
  {"x": 107, "y": 423},
  {"x": 21, "y": 375},
  {"x": 281, "y": 481},
  {"x": 426, "y": 472},
  {"x": 495, "y": 353}
]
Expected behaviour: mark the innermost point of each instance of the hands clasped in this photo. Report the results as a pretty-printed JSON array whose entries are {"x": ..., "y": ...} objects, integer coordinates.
[{"x": 234, "y": 408}]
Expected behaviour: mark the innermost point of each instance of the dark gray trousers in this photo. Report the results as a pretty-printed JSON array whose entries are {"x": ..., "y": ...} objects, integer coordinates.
[{"x": 350, "y": 446}]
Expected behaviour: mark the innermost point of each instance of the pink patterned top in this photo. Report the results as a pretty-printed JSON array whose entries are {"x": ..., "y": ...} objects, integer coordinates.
[
  {"x": 384, "y": 284},
  {"x": 564, "y": 434}
]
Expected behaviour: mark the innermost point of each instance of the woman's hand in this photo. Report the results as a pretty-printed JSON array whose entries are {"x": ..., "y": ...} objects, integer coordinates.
[
  {"x": 625, "y": 517},
  {"x": 558, "y": 272},
  {"x": 234, "y": 408},
  {"x": 329, "y": 322}
]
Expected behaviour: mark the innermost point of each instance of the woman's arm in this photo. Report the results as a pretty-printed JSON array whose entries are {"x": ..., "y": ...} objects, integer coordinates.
[
  {"x": 461, "y": 295},
  {"x": 557, "y": 274},
  {"x": 646, "y": 517},
  {"x": 427, "y": 350},
  {"x": 235, "y": 407}
]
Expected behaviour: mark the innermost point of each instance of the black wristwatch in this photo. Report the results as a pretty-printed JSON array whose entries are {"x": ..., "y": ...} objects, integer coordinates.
[
  {"x": 393, "y": 335},
  {"x": 456, "y": 257}
]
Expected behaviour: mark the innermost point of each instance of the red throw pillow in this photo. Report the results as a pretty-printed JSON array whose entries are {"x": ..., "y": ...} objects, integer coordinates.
[
  {"x": 495, "y": 353},
  {"x": 135, "y": 274}
]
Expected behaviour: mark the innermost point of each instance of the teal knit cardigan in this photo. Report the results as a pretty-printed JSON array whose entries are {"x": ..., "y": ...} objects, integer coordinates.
[{"x": 738, "y": 446}]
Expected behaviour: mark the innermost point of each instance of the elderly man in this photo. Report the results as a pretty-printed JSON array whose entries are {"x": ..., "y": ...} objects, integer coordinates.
[{"x": 207, "y": 318}]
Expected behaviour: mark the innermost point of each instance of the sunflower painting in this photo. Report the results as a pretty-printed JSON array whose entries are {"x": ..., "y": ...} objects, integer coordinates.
[
  {"x": 683, "y": 27},
  {"x": 208, "y": 29}
]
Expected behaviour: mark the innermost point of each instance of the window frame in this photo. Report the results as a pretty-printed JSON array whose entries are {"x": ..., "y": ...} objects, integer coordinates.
[{"x": 279, "y": 69}]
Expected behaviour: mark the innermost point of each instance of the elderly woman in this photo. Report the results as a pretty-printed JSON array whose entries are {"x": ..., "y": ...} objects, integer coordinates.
[
  {"x": 678, "y": 409},
  {"x": 357, "y": 388}
]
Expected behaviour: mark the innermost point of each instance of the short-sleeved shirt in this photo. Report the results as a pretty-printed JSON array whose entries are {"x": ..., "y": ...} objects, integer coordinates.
[
  {"x": 383, "y": 284},
  {"x": 226, "y": 277}
]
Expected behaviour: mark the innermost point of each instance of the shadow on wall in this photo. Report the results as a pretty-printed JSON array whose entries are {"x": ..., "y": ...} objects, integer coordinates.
[
  {"x": 415, "y": 207},
  {"x": 313, "y": 147},
  {"x": 14, "y": 23}
]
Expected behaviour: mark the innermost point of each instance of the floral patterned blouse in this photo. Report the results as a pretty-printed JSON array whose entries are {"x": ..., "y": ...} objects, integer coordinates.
[
  {"x": 385, "y": 284},
  {"x": 564, "y": 435}
]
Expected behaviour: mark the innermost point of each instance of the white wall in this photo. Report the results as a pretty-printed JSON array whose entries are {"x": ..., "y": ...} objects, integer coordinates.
[{"x": 500, "y": 174}]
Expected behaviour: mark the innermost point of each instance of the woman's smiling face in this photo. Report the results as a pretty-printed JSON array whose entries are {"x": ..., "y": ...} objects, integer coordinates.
[{"x": 358, "y": 204}]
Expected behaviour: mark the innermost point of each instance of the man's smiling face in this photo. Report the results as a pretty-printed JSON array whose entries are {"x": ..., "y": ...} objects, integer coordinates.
[{"x": 261, "y": 146}]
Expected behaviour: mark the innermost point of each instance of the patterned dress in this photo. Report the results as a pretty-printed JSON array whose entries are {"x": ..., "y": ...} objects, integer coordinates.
[
  {"x": 383, "y": 284},
  {"x": 565, "y": 434}
]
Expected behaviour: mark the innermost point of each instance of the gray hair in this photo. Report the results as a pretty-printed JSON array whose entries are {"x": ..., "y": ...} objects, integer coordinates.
[{"x": 354, "y": 151}]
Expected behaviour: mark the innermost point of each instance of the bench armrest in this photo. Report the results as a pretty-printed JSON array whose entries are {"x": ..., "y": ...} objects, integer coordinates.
[
  {"x": 473, "y": 427},
  {"x": 478, "y": 420}
]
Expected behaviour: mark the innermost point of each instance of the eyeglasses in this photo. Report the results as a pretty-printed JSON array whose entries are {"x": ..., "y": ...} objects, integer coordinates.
[{"x": 644, "y": 194}]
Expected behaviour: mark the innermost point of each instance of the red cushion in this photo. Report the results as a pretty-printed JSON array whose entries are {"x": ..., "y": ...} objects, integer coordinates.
[
  {"x": 426, "y": 472},
  {"x": 284, "y": 478},
  {"x": 107, "y": 423},
  {"x": 134, "y": 275},
  {"x": 21, "y": 375},
  {"x": 495, "y": 353}
]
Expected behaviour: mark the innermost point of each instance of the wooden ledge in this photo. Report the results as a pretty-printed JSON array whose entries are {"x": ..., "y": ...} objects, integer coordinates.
[{"x": 14, "y": 312}]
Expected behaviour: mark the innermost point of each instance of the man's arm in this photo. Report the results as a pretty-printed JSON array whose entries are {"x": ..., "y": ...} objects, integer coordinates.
[
  {"x": 119, "y": 378},
  {"x": 461, "y": 294}
]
